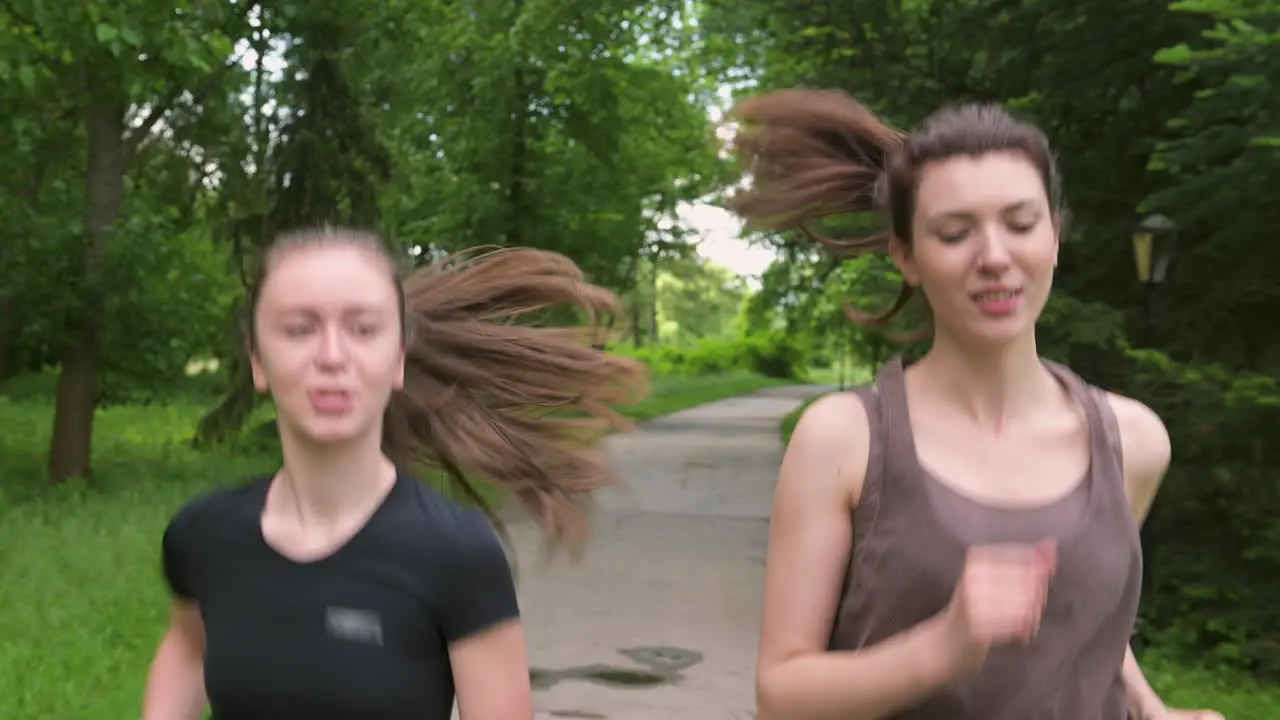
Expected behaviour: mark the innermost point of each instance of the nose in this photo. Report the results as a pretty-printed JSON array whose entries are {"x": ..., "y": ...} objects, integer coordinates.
[
  {"x": 994, "y": 257},
  {"x": 333, "y": 349}
]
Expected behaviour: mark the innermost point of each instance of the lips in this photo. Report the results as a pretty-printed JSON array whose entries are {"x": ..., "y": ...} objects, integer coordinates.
[
  {"x": 996, "y": 295},
  {"x": 330, "y": 402}
]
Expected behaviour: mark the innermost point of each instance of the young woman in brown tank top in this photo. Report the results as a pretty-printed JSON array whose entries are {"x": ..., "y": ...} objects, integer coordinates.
[{"x": 958, "y": 540}]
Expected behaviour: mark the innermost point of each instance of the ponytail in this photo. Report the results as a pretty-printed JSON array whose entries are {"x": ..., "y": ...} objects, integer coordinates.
[
  {"x": 490, "y": 392},
  {"x": 814, "y": 154}
]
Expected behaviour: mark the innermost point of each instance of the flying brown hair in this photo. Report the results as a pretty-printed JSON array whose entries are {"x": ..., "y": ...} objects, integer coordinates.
[
  {"x": 488, "y": 391},
  {"x": 817, "y": 154}
]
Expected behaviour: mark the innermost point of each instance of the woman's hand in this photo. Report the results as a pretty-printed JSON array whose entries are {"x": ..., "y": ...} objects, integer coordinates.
[{"x": 999, "y": 599}]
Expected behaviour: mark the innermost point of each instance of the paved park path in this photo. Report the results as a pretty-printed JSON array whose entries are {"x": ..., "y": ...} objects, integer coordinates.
[{"x": 659, "y": 620}]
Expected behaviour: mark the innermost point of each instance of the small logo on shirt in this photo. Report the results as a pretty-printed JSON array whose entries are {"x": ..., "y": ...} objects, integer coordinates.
[{"x": 363, "y": 626}]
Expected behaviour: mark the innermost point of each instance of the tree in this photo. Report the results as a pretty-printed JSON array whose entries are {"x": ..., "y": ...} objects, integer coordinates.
[
  {"x": 1221, "y": 153},
  {"x": 697, "y": 299},
  {"x": 118, "y": 70}
]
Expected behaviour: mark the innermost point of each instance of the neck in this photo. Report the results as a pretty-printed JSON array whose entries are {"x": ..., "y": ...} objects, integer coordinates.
[
  {"x": 325, "y": 483},
  {"x": 989, "y": 385}
]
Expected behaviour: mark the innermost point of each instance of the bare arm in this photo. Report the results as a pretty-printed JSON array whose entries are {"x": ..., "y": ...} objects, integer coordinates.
[
  {"x": 491, "y": 674},
  {"x": 810, "y": 540},
  {"x": 1142, "y": 699},
  {"x": 175, "y": 685},
  {"x": 479, "y": 616}
]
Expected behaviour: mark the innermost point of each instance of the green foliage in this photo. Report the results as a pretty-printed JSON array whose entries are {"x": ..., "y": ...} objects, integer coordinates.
[
  {"x": 775, "y": 354},
  {"x": 168, "y": 309},
  {"x": 673, "y": 393},
  {"x": 202, "y": 385},
  {"x": 1148, "y": 106},
  {"x": 679, "y": 297},
  {"x": 1213, "y": 541},
  {"x": 567, "y": 126},
  {"x": 772, "y": 354},
  {"x": 787, "y": 426},
  {"x": 697, "y": 299},
  {"x": 808, "y": 299},
  {"x": 1216, "y": 156},
  {"x": 173, "y": 297},
  {"x": 708, "y": 356}
]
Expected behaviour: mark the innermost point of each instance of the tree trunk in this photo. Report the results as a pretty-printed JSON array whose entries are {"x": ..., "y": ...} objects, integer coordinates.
[{"x": 71, "y": 448}]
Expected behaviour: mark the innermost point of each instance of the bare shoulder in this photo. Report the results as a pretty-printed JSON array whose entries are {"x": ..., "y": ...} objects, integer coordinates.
[
  {"x": 811, "y": 528},
  {"x": 1144, "y": 442},
  {"x": 828, "y": 450}
]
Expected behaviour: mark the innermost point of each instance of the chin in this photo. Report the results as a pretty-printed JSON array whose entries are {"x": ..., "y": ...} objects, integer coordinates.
[
  {"x": 996, "y": 334},
  {"x": 327, "y": 431}
]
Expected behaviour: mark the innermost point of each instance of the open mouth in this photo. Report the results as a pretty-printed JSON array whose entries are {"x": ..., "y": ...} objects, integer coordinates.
[{"x": 330, "y": 401}]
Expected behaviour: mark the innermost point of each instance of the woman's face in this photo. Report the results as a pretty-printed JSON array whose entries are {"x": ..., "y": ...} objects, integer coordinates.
[
  {"x": 984, "y": 246},
  {"x": 329, "y": 345}
]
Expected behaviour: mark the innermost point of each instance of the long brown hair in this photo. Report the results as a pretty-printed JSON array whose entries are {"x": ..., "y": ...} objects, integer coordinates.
[
  {"x": 489, "y": 392},
  {"x": 817, "y": 154}
]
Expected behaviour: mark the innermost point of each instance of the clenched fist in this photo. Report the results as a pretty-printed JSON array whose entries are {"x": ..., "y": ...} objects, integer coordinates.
[{"x": 999, "y": 598}]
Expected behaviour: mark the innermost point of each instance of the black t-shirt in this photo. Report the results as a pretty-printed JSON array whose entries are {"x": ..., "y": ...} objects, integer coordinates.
[{"x": 360, "y": 634}]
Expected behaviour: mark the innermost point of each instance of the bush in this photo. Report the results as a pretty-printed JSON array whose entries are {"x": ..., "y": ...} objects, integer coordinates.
[
  {"x": 116, "y": 389},
  {"x": 1213, "y": 541},
  {"x": 706, "y": 358},
  {"x": 773, "y": 355}
]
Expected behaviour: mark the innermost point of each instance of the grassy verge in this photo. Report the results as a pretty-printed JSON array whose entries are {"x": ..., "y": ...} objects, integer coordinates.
[
  {"x": 788, "y": 424},
  {"x": 672, "y": 394},
  {"x": 1234, "y": 695},
  {"x": 81, "y": 604}
]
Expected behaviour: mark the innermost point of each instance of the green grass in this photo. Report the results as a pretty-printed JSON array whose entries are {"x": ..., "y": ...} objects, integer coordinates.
[
  {"x": 1236, "y": 696},
  {"x": 788, "y": 424},
  {"x": 850, "y": 375},
  {"x": 672, "y": 394},
  {"x": 81, "y": 602}
]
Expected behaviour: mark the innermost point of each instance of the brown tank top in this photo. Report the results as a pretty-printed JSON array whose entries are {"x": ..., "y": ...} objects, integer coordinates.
[{"x": 911, "y": 532}]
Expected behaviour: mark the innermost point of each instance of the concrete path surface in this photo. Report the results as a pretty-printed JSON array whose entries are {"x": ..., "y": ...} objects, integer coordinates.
[{"x": 659, "y": 620}]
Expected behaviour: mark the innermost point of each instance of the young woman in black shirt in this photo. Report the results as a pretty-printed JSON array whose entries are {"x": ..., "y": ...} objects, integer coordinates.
[{"x": 339, "y": 587}]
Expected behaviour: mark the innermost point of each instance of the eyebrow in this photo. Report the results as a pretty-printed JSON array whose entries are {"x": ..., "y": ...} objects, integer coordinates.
[
  {"x": 966, "y": 215},
  {"x": 346, "y": 312}
]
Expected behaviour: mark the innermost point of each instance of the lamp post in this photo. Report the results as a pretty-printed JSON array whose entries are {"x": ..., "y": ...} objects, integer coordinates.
[{"x": 1154, "y": 239}]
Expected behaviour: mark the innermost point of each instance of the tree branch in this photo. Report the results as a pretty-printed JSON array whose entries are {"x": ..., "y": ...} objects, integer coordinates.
[{"x": 134, "y": 140}]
